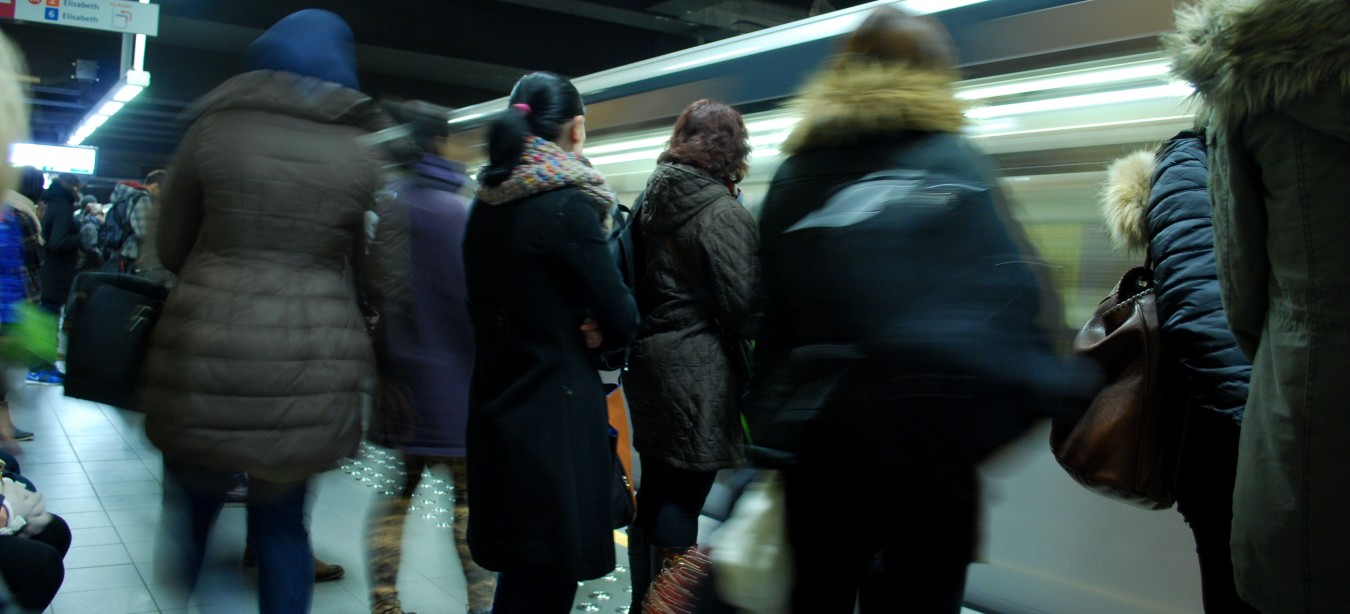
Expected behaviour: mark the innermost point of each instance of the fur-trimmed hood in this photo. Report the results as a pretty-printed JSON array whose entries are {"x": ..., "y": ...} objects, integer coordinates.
[
  {"x": 1246, "y": 57},
  {"x": 855, "y": 99},
  {"x": 1124, "y": 200}
]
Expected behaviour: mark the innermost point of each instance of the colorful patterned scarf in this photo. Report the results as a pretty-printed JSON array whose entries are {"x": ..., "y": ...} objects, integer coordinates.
[{"x": 545, "y": 167}]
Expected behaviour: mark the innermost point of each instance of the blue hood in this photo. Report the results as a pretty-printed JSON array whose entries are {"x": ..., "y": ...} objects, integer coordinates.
[{"x": 310, "y": 43}]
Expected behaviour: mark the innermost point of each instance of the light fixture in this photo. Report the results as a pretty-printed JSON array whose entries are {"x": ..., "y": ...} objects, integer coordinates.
[
  {"x": 465, "y": 118},
  {"x": 1174, "y": 90},
  {"x": 836, "y": 23},
  {"x": 768, "y": 133},
  {"x": 128, "y": 87},
  {"x": 1073, "y": 79}
]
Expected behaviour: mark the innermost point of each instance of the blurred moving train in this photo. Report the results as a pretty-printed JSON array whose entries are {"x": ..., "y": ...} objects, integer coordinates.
[{"x": 1058, "y": 89}]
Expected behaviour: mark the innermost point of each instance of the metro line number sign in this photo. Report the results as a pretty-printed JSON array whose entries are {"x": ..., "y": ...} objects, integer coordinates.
[{"x": 111, "y": 15}]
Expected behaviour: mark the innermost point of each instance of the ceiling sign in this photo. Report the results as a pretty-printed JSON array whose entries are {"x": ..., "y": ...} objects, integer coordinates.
[
  {"x": 54, "y": 158},
  {"x": 111, "y": 15}
]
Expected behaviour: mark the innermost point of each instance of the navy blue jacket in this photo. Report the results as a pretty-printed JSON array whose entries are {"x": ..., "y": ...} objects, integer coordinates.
[{"x": 1181, "y": 246}]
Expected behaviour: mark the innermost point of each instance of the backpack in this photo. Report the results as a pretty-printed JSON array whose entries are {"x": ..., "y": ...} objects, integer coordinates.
[
  {"x": 625, "y": 244},
  {"x": 912, "y": 287},
  {"x": 116, "y": 227}
]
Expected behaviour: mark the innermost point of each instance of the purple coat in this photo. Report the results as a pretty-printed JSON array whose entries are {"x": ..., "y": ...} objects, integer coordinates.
[{"x": 424, "y": 406}]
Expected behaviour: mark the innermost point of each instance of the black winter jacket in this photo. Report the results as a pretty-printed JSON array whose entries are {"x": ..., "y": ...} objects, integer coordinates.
[
  {"x": 61, "y": 241},
  {"x": 1180, "y": 243},
  {"x": 681, "y": 385}
]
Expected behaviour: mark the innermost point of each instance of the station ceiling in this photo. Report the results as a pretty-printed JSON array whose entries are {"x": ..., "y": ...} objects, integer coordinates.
[{"x": 450, "y": 52}]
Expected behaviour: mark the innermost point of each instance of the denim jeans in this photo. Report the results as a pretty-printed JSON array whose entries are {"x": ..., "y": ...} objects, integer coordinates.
[{"x": 192, "y": 501}]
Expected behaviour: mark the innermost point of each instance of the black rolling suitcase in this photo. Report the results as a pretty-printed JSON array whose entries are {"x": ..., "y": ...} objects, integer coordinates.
[{"x": 109, "y": 319}]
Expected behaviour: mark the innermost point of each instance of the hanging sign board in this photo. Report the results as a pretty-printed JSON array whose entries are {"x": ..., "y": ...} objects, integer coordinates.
[
  {"x": 111, "y": 15},
  {"x": 54, "y": 158}
]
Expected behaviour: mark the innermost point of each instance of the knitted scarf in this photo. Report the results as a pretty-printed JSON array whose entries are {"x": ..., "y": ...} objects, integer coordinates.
[{"x": 545, "y": 167}]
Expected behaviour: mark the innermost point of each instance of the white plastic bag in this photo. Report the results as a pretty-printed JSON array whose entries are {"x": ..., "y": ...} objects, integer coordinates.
[{"x": 751, "y": 558}]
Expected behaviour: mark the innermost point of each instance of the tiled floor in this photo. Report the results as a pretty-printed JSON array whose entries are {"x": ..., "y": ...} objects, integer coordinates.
[{"x": 96, "y": 470}]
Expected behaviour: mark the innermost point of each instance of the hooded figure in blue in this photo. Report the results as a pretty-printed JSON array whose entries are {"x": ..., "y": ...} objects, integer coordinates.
[{"x": 258, "y": 361}]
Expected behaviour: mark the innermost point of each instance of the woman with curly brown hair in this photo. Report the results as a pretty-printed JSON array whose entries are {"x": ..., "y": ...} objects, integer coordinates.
[{"x": 683, "y": 385}]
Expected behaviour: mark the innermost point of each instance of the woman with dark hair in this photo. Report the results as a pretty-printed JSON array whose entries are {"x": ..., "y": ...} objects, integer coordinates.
[
  {"x": 425, "y": 404},
  {"x": 698, "y": 275},
  {"x": 546, "y": 298}
]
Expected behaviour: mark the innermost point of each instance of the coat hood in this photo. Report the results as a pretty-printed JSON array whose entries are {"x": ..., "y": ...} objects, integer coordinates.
[
  {"x": 127, "y": 190},
  {"x": 22, "y": 204},
  {"x": 1124, "y": 199},
  {"x": 310, "y": 43},
  {"x": 675, "y": 194},
  {"x": 1246, "y": 57},
  {"x": 854, "y": 99},
  {"x": 440, "y": 173},
  {"x": 290, "y": 94}
]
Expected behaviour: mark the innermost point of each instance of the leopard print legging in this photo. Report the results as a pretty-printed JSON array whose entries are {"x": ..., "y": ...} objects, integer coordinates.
[{"x": 384, "y": 545}]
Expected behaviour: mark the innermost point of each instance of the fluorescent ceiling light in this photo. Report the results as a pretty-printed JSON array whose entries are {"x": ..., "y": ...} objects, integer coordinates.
[
  {"x": 127, "y": 92},
  {"x": 1126, "y": 122},
  {"x": 132, "y": 83},
  {"x": 137, "y": 77},
  {"x": 709, "y": 59},
  {"x": 1077, "y": 79},
  {"x": 777, "y": 123},
  {"x": 467, "y": 117},
  {"x": 937, "y": 6},
  {"x": 1175, "y": 90},
  {"x": 632, "y": 156},
  {"x": 608, "y": 148}
]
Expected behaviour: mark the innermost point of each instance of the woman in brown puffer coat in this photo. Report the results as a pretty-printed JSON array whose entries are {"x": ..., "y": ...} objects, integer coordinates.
[
  {"x": 271, "y": 224},
  {"x": 699, "y": 248}
]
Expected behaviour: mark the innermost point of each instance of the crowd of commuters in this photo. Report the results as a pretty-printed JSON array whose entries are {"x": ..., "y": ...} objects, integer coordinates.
[{"x": 318, "y": 259}]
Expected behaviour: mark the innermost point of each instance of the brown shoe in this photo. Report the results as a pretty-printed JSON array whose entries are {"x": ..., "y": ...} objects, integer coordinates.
[{"x": 323, "y": 572}]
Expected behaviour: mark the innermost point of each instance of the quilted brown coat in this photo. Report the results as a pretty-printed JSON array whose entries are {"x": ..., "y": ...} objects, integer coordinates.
[
  {"x": 681, "y": 385},
  {"x": 258, "y": 361}
]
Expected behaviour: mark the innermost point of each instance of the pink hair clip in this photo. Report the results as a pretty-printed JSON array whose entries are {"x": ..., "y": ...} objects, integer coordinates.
[{"x": 524, "y": 108}]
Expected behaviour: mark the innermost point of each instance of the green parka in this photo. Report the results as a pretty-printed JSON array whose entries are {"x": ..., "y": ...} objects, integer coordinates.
[{"x": 1274, "y": 76}]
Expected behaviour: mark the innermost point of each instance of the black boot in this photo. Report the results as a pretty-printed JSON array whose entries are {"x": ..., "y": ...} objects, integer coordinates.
[{"x": 640, "y": 565}]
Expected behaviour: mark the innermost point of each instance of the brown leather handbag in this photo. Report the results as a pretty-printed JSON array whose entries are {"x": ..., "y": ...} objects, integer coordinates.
[{"x": 1128, "y": 444}]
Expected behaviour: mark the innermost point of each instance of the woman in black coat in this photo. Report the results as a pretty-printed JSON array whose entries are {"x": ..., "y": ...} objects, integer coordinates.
[
  {"x": 684, "y": 381},
  {"x": 1159, "y": 202},
  {"x": 545, "y": 296},
  {"x": 61, "y": 243}
]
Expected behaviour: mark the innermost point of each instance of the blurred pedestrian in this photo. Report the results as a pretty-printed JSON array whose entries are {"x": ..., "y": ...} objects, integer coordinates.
[
  {"x": 545, "y": 296},
  {"x": 1274, "y": 79},
  {"x": 145, "y": 222},
  {"x": 61, "y": 245},
  {"x": 932, "y": 305},
  {"x": 686, "y": 370},
  {"x": 425, "y": 405},
  {"x": 258, "y": 361}
]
